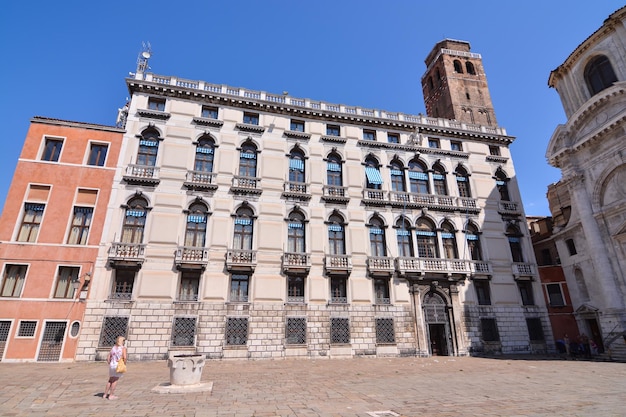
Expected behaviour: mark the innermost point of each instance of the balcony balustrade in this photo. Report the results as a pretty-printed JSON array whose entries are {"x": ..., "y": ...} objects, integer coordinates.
[
  {"x": 416, "y": 200},
  {"x": 142, "y": 174},
  {"x": 296, "y": 262},
  {"x": 509, "y": 207},
  {"x": 201, "y": 180},
  {"x": 297, "y": 190},
  {"x": 246, "y": 185},
  {"x": 338, "y": 264},
  {"x": 334, "y": 193},
  {"x": 380, "y": 265},
  {"x": 241, "y": 260},
  {"x": 420, "y": 266},
  {"x": 120, "y": 252},
  {"x": 524, "y": 269},
  {"x": 480, "y": 268},
  {"x": 191, "y": 257}
]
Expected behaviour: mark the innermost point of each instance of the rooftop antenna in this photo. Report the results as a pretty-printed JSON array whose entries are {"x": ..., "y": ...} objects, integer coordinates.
[{"x": 142, "y": 59}]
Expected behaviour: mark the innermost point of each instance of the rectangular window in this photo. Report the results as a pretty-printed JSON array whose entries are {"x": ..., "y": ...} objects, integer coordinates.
[
  {"x": 332, "y": 130},
  {"x": 31, "y": 221},
  {"x": 123, "y": 284},
  {"x": 555, "y": 295},
  {"x": 157, "y": 104},
  {"x": 482, "y": 292},
  {"x": 393, "y": 138},
  {"x": 384, "y": 331},
  {"x": 13, "y": 280},
  {"x": 526, "y": 292},
  {"x": 81, "y": 222},
  {"x": 295, "y": 289},
  {"x": 338, "y": 290},
  {"x": 184, "y": 331},
  {"x": 295, "y": 331},
  {"x": 381, "y": 290},
  {"x": 546, "y": 257},
  {"x": 339, "y": 330},
  {"x": 535, "y": 330},
  {"x": 433, "y": 143},
  {"x": 52, "y": 149},
  {"x": 27, "y": 328},
  {"x": 189, "y": 284},
  {"x": 571, "y": 247},
  {"x": 209, "y": 112},
  {"x": 494, "y": 150},
  {"x": 297, "y": 125},
  {"x": 112, "y": 327},
  {"x": 489, "y": 330},
  {"x": 251, "y": 118},
  {"x": 456, "y": 146},
  {"x": 65, "y": 277},
  {"x": 236, "y": 331},
  {"x": 368, "y": 135},
  {"x": 97, "y": 154},
  {"x": 239, "y": 288}
]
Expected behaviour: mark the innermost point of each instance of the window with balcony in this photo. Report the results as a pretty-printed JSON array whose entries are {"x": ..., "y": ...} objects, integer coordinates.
[
  {"x": 397, "y": 177},
  {"x": 334, "y": 176},
  {"x": 473, "y": 242},
  {"x": 489, "y": 329},
  {"x": 502, "y": 184},
  {"x": 426, "y": 237},
  {"x": 393, "y": 138},
  {"x": 515, "y": 243},
  {"x": 369, "y": 135},
  {"x": 378, "y": 245},
  {"x": 65, "y": 277},
  {"x": 52, "y": 149},
  {"x": 13, "y": 280},
  {"x": 403, "y": 237},
  {"x": 526, "y": 292},
  {"x": 31, "y": 222},
  {"x": 296, "y": 242},
  {"x": 157, "y": 104},
  {"x": 243, "y": 230},
  {"x": 239, "y": 284},
  {"x": 124, "y": 280},
  {"x": 195, "y": 230},
  {"x": 205, "y": 154},
  {"x": 483, "y": 293},
  {"x": 462, "y": 182},
  {"x": 251, "y": 118},
  {"x": 418, "y": 178},
  {"x": 295, "y": 289},
  {"x": 439, "y": 180},
  {"x": 148, "y": 148},
  {"x": 296, "y": 166},
  {"x": 296, "y": 125},
  {"x": 599, "y": 74},
  {"x": 81, "y": 222},
  {"x": 373, "y": 179},
  {"x": 97, "y": 154},
  {"x": 189, "y": 286},
  {"x": 336, "y": 235},
  {"x": 134, "y": 221},
  {"x": 448, "y": 238},
  {"x": 248, "y": 160},
  {"x": 332, "y": 130},
  {"x": 209, "y": 112},
  {"x": 381, "y": 291},
  {"x": 339, "y": 290},
  {"x": 555, "y": 295}
]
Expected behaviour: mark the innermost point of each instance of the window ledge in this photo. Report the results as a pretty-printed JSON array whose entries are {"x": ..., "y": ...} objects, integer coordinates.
[
  {"x": 336, "y": 139},
  {"x": 496, "y": 158},
  {"x": 153, "y": 114},
  {"x": 207, "y": 122},
  {"x": 297, "y": 135},
  {"x": 250, "y": 128}
]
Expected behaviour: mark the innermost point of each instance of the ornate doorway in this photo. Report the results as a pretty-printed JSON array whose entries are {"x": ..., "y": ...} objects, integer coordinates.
[{"x": 436, "y": 318}]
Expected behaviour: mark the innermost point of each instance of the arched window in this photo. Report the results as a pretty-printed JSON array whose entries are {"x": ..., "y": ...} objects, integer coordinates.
[
  {"x": 134, "y": 220},
  {"x": 244, "y": 226},
  {"x": 374, "y": 180},
  {"x": 462, "y": 182},
  {"x": 418, "y": 178},
  {"x": 599, "y": 74},
  {"x": 403, "y": 236},
  {"x": 458, "y": 67},
  {"x": 515, "y": 243},
  {"x": 195, "y": 232},
  {"x": 378, "y": 245},
  {"x": 296, "y": 166},
  {"x": 148, "y": 148},
  {"x": 439, "y": 180},
  {"x": 205, "y": 150},
  {"x": 426, "y": 237},
  {"x": 502, "y": 183},
  {"x": 470, "y": 68},
  {"x": 472, "y": 237},
  {"x": 448, "y": 238},
  {"x": 336, "y": 235},
  {"x": 397, "y": 177},
  {"x": 295, "y": 233},
  {"x": 333, "y": 171},
  {"x": 248, "y": 160}
]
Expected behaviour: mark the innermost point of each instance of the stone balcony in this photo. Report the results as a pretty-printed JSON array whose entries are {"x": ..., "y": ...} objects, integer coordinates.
[
  {"x": 335, "y": 194},
  {"x": 126, "y": 254},
  {"x": 142, "y": 175},
  {"x": 201, "y": 181},
  {"x": 420, "y": 266},
  {"x": 242, "y": 260},
  {"x": 297, "y": 190},
  {"x": 380, "y": 266},
  {"x": 338, "y": 264},
  {"x": 246, "y": 185},
  {"x": 191, "y": 257},
  {"x": 416, "y": 200},
  {"x": 524, "y": 269},
  {"x": 296, "y": 262}
]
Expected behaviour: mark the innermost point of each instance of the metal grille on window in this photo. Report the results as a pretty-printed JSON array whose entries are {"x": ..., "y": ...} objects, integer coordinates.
[
  {"x": 236, "y": 331},
  {"x": 5, "y": 326},
  {"x": 184, "y": 331},
  {"x": 52, "y": 341},
  {"x": 384, "y": 331},
  {"x": 339, "y": 330},
  {"x": 27, "y": 329},
  {"x": 112, "y": 327},
  {"x": 295, "y": 331}
]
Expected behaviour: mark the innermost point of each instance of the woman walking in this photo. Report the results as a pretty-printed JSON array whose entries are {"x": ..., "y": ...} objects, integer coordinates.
[{"x": 117, "y": 354}]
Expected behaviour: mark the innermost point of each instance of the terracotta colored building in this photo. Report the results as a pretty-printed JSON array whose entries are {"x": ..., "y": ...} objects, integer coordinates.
[{"x": 49, "y": 236}]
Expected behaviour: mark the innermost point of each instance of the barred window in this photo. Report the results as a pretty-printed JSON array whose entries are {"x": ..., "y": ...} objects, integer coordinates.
[
  {"x": 184, "y": 331},
  {"x": 236, "y": 331},
  {"x": 112, "y": 327},
  {"x": 535, "y": 330},
  {"x": 27, "y": 328},
  {"x": 339, "y": 330},
  {"x": 489, "y": 330},
  {"x": 295, "y": 331},
  {"x": 384, "y": 331}
]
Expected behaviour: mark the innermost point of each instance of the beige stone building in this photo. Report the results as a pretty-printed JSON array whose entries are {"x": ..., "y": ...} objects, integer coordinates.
[
  {"x": 588, "y": 204},
  {"x": 246, "y": 224}
]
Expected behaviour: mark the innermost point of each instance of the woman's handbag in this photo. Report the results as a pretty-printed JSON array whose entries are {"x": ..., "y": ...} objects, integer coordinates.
[{"x": 121, "y": 367}]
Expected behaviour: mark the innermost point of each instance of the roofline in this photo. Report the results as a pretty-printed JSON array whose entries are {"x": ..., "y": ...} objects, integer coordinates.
[{"x": 70, "y": 123}]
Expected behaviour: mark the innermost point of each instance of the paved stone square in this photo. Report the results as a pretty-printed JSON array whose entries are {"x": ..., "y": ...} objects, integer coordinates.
[{"x": 363, "y": 387}]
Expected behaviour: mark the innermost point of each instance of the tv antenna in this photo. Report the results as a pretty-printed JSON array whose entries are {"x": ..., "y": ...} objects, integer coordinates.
[{"x": 144, "y": 56}]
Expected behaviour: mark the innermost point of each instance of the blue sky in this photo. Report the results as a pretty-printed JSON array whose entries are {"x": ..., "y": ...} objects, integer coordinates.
[{"x": 68, "y": 59}]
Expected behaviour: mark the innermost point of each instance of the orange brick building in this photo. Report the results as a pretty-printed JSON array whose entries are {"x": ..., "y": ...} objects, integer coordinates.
[{"x": 50, "y": 232}]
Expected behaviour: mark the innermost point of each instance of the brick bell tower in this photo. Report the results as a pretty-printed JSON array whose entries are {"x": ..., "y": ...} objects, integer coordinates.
[{"x": 455, "y": 85}]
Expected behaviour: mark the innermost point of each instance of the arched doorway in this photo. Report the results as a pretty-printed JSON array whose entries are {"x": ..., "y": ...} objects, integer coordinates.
[{"x": 436, "y": 318}]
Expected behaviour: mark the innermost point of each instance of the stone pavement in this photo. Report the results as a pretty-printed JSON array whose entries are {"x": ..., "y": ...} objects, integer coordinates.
[{"x": 360, "y": 387}]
